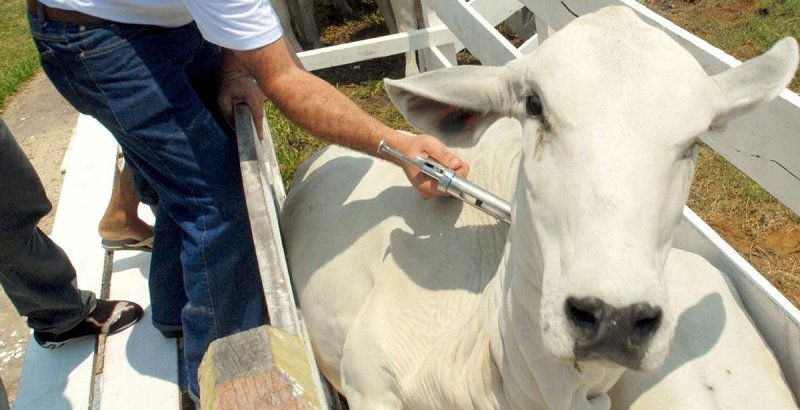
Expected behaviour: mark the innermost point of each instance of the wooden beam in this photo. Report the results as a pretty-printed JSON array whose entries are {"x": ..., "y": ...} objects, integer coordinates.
[
  {"x": 263, "y": 368},
  {"x": 477, "y": 33},
  {"x": 260, "y": 186},
  {"x": 375, "y": 48},
  {"x": 530, "y": 45}
]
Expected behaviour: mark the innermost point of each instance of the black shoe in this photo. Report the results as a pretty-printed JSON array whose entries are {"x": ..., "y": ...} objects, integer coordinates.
[{"x": 107, "y": 318}]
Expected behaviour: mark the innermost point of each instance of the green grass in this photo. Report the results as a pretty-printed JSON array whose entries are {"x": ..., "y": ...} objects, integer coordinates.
[{"x": 18, "y": 57}]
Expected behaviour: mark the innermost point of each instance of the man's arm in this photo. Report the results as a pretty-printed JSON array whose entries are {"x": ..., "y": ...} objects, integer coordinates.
[{"x": 321, "y": 109}]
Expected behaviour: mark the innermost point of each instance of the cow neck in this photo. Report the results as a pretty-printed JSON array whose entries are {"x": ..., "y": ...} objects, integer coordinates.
[{"x": 528, "y": 374}]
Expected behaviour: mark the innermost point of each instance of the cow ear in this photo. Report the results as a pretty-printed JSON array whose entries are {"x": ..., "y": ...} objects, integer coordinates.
[
  {"x": 455, "y": 104},
  {"x": 757, "y": 80}
]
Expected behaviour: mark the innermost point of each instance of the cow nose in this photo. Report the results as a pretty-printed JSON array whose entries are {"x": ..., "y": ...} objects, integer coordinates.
[
  {"x": 585, "y": 315},
  {"x": 602, "y": 331}
]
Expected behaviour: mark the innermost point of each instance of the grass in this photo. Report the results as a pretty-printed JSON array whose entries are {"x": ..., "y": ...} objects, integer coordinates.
[{"x": 18, "y": 57}]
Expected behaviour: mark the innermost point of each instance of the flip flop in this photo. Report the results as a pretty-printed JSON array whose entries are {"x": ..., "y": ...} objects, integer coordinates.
[{"x": 129, "y": 244}]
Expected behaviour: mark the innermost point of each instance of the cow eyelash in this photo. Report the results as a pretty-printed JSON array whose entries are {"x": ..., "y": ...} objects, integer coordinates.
[{"x": 533, "y": 105}]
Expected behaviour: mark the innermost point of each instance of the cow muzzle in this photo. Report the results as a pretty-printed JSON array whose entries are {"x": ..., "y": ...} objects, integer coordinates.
[{"x": 616, "y": 334}]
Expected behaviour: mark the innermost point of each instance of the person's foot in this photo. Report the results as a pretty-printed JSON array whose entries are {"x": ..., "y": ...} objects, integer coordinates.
[
  {"x": 107, "y": 318},
  {"x": 119, "y": 228}
]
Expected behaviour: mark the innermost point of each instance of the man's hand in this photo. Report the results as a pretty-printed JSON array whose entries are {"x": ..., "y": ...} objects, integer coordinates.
[
  {"x": 239, "y": 87},
  {"x": 426, "y": 146}
]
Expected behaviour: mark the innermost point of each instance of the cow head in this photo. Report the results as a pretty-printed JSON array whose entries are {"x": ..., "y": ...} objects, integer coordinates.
[{"x": 611, "y": 111}]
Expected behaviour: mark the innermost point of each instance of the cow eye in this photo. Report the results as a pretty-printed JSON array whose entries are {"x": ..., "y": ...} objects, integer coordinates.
[{"x": 533, "y": 105}]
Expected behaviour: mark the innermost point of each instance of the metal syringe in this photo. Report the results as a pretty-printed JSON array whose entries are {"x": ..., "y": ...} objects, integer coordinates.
[{"x": 455, "y": 185}]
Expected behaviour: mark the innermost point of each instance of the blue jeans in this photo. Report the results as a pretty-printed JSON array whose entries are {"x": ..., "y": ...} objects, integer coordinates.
[{"x": 155, "y": 89}]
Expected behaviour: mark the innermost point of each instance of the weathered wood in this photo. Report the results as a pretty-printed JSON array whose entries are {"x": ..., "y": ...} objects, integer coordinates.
[
  {"x": 260, "y": 185},
  {"x": 62, "y": 378},
  {"x": 264, "y": 368}
]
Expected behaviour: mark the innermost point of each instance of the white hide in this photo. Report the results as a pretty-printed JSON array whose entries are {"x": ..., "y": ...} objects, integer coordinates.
[
  {"x": 432, "y": 304},
  {"x": 717, "y": 359}
]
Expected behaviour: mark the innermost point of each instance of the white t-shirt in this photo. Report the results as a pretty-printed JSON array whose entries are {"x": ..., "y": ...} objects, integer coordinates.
[{"x": 233, "y": 24}]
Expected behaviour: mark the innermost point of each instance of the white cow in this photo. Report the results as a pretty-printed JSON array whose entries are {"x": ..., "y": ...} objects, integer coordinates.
[{"x": 431, "y": 304}]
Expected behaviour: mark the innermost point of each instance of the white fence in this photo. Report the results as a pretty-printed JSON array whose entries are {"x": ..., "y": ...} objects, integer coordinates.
[{"x": 765, "y": 144}]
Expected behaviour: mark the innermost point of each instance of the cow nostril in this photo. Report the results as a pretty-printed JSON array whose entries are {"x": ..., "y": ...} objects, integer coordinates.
[
  {"x": 647, "y": 320},
  {"x": 583, "y": 314}
]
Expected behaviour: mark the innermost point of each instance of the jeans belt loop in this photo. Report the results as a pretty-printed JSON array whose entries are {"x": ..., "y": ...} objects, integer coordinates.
[{"x": 45, "y": 13}]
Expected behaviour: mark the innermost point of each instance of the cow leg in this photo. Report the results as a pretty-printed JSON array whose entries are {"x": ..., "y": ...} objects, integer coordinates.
[{"x": 405, "y": 16}]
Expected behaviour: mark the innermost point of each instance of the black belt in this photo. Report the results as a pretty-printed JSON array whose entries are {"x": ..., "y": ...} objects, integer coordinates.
[{"x": 62, "y": 16}]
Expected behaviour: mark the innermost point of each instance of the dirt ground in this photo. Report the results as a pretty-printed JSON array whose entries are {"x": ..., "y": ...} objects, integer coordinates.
[{"x": 42, "y": 122}]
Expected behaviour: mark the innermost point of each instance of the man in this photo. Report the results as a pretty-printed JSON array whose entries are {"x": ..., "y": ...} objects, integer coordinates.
[
  {"x": 152, "y": 72},
  {"x": 35, "y": 272}
]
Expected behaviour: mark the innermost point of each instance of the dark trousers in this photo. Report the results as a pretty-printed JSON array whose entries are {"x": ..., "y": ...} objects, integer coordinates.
[{"x": 34, "y": 271}]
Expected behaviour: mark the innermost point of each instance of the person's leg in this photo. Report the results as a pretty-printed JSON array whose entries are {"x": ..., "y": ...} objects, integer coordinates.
[
  {"x": 36, "y": 274},
  {"x": 34, "y": 271},
  {"x": 134, "y": 80},
  {"x": 120, "y": 226}
]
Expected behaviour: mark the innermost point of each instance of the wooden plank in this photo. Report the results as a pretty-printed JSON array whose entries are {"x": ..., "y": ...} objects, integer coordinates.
[
  {"x": 262, "y": 211},
  {"x": 435, "y": 57},
  {"x": 776, "y": 318},
  {"x": 140, "y": 367},
  {"x": 543, "y": 30},
  {"x": 62, "y": 378},
  {"x": 478, "y": 34},
  {"x": 530, "y": 45},
  {"x": 375, "y": 48},
  {"x": 263, "y": 368},
  {"x": 399, "y": 43},
  {"x": 763, "y": 143},
  {"x": 495, "y": 11},
  {"x": 270, "y": 170}
]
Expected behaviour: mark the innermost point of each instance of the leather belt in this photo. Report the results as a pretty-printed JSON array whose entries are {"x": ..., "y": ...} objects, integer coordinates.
[{"x": 63, "y": 16}]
